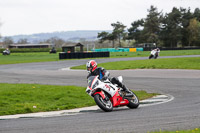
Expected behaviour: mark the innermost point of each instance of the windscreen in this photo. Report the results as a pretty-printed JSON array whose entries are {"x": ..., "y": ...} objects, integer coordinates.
[{"x": 90, "y": 80}]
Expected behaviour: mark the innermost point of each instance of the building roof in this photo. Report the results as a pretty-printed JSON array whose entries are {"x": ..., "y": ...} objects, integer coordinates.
[
  {"x": 72, "y": 45},
  {"x": 43, "y": 44}
]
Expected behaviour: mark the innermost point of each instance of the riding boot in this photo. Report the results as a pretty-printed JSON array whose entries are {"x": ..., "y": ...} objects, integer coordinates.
[
  {"x": 125, "y": 89},
  {"x": 116, "y": 81},
  {"x": 128, "y": 92}
]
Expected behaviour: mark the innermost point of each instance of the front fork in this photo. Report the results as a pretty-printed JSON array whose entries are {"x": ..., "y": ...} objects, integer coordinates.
[{"x": 101, "y": 93}]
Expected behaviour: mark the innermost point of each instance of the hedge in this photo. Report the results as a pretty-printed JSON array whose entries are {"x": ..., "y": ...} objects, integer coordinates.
[{"x": 25, "y": 50}]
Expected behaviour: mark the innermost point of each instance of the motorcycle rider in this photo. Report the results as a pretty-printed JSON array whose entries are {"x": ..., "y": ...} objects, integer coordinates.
[
  {"x": 158, "y": 50},
  {"x": 154, "y": 52},
  {"x": 6, "y": 52},
  {"x": 93, "y": 70}
]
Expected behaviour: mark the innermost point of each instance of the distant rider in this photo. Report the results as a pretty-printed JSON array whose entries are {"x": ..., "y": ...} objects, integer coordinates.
[
  {"x": 158, "y": 50},
  {"x": 6, "y": 52},
  {"x": 103, "y": 74},
  {"x": 154, "y": 53}
]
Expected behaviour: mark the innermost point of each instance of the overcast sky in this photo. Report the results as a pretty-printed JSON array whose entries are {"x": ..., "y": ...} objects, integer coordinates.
[{"x": 36, "y": 16}]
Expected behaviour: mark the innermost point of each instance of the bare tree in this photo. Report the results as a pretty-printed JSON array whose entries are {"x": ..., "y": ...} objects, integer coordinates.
[
  {"x": 0, "y": 26},
  {"x": 7, "y": 41},
  {"x": 22, "y": 41}
]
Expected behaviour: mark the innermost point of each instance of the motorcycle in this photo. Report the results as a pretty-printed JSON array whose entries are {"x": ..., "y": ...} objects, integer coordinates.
[
  {"x": 154, "y": 54},
  {"x": 106, "y": 95},
  {"x": 53, "y": 50},
  {"x": 6, "y": 52}
]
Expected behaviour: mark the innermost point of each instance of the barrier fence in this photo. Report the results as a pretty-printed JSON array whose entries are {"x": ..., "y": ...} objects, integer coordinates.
[
  {"x": 140, "y": 49},
  {"x": 118, "y": 49},
  {"x": 78, "y": 55}
]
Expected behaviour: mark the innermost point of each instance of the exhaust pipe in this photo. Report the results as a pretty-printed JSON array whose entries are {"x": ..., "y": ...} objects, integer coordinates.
[{"x": 129, "y": 95}]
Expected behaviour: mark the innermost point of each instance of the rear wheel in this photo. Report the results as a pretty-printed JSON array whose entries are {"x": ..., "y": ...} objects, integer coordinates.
[
  {"x": 156, "y": 56},
  {"x": 105, "y": 104},
  {"x": 133, "y": 101}
]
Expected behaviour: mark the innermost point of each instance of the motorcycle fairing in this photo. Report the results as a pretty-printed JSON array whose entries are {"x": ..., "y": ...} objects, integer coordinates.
[
  {"x": 101, "y": 93},
  {"x": 95, "y": 83},
  {"x": 91, "y": 80},
  {"x": 117, "y": 100}
]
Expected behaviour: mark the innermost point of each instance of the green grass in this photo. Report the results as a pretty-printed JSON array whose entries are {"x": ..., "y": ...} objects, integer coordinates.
[
  {"x": 45, "y": 56},
  {"x": 196, "y": 130},
  {"x": 28, "y": 98},
  {"x": 15, "y": 58},
  {"x": 173, "y": 63}
]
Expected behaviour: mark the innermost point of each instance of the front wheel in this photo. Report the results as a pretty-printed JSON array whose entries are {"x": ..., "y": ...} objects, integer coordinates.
[
  {"x": 133, "y": 101},
  {"x": 105, "y": 104},
  {"x": 150, "y": 56}
]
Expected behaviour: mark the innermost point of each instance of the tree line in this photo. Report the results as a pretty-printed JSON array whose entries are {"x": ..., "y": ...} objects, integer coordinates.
[{"x": 178, "y": 28}]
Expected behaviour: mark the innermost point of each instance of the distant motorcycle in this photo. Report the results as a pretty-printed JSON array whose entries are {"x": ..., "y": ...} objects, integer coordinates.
[
  {"x": 154, "y": 53},
  {"x": 106, "y": 95},
  {"x": 6, "y": 52},
  {"x": 53, "y": 50}
]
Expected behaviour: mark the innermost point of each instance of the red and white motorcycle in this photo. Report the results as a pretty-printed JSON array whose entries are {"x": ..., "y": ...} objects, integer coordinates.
[{"x": 107, "y": 95}]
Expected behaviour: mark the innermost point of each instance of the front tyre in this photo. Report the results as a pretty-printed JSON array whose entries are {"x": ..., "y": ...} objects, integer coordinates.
[
  {"x": 104, "y": 104},
  {"x": 133, "y": 101},
  {"x": 150, "y": 56}
]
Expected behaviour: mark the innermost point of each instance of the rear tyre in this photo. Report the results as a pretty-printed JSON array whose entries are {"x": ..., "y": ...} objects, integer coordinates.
[
  {"x": 133, "y": 101},
  {"x": 104, "y": 104},
  {"x": 156, "y": 56}
]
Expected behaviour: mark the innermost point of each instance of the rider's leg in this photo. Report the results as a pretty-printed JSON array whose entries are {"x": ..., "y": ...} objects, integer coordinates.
[{"x": 116, "y": 81}]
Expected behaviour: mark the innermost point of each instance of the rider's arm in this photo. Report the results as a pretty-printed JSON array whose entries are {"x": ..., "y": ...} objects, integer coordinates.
[
  {"x": 88, "y": 75},
  {"x": 105, "y": 73}
]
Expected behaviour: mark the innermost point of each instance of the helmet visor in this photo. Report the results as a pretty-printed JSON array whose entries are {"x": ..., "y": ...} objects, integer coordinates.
[{"x": 89, "y": 69}]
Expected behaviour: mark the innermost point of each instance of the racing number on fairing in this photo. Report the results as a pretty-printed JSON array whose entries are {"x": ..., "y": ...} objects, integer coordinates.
[{"x": 107, "y": 86}]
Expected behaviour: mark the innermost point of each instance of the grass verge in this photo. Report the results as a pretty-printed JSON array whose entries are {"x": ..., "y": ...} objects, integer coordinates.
[
  {"x": 196, "y": 130},
  {"x": 15, "y": 58},
  {"x": 29, "y": 98},
  {"x": 173, "y": 63}
]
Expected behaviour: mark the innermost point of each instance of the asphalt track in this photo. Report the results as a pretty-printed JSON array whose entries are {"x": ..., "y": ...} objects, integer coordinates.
[{"x": 181, "y": 113}]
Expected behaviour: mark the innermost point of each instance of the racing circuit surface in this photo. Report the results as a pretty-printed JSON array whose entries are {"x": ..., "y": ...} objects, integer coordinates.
[{"x": 181, "y": 113}]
